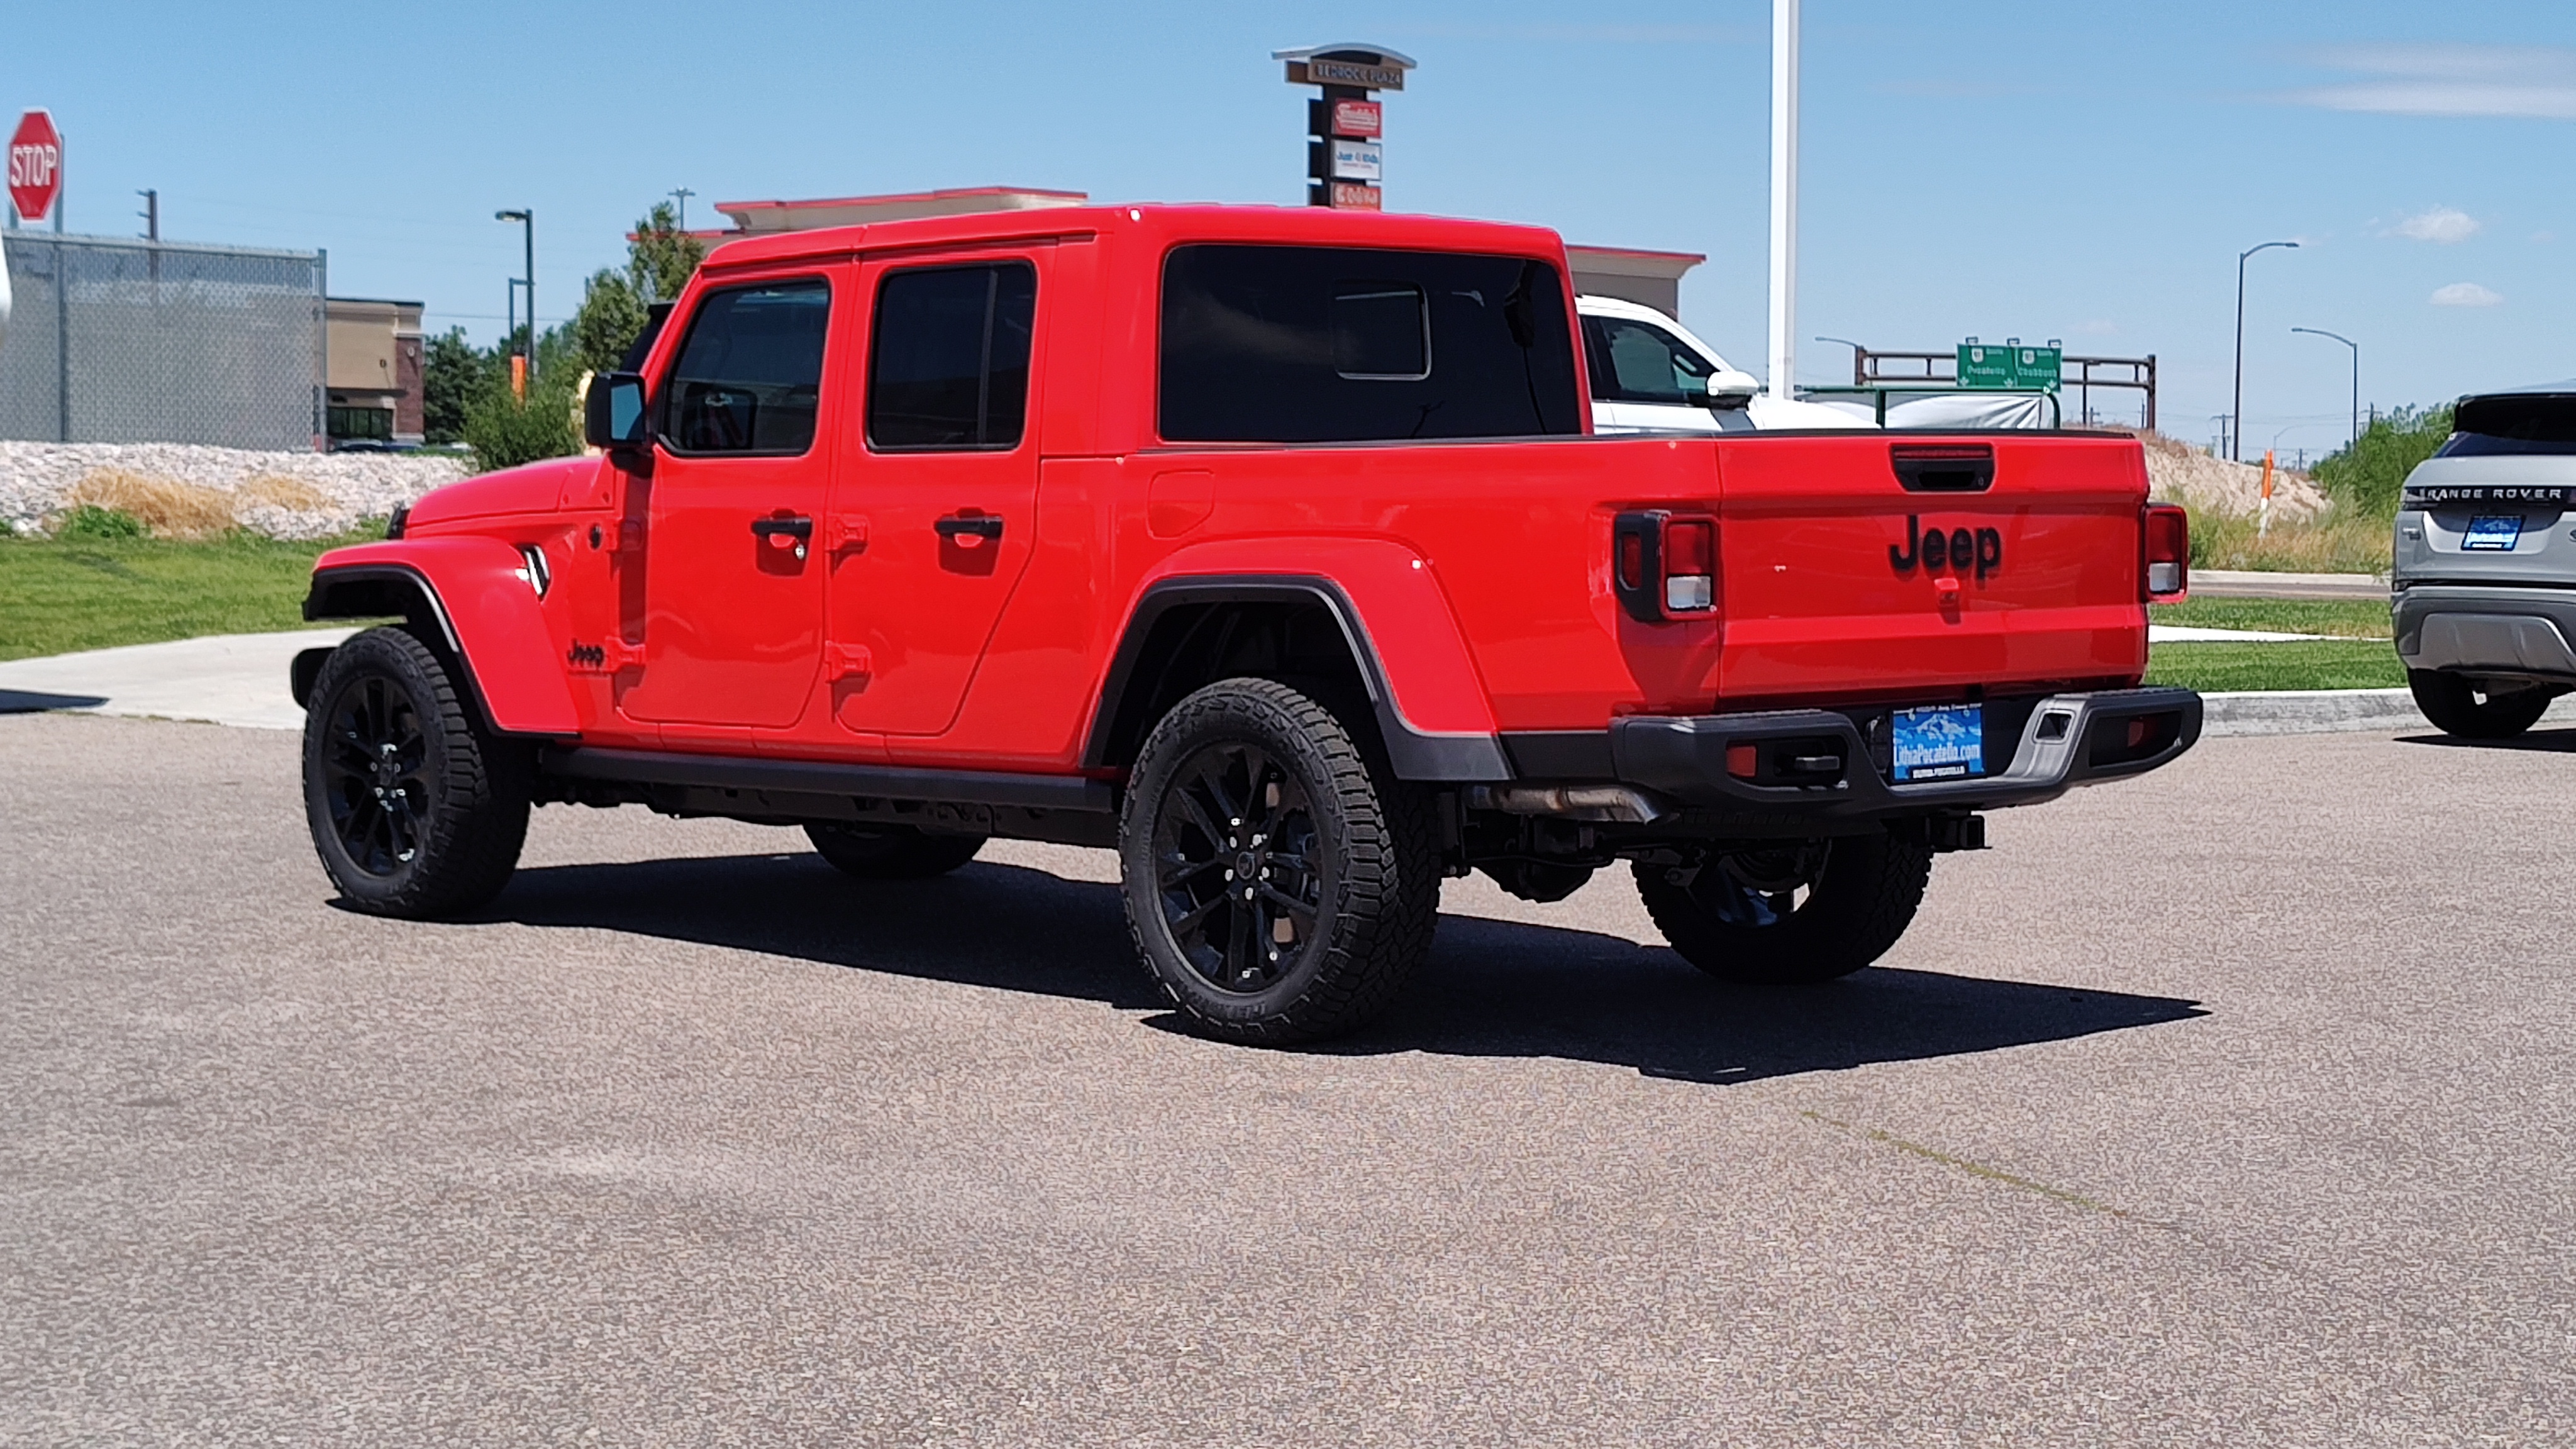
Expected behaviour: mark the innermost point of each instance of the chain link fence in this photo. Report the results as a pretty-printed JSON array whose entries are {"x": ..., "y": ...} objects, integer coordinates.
[{"x": 117, "y": 341}]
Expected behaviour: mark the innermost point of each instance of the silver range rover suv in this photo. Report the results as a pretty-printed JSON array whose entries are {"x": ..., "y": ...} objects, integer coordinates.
[{"x": 2484, "y": 583}]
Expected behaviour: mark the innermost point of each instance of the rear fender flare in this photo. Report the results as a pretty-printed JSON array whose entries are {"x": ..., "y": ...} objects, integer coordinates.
[
  {"x": 475, "y": 593},
  {"x": 1430, "y": 704}
]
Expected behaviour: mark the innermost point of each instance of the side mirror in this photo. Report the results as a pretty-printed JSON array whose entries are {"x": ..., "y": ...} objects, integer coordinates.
[
  {"x": 613, "y": 414},
  {"x": 1730, "y": 389}
]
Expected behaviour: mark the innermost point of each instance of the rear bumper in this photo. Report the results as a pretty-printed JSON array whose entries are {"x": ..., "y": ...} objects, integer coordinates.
[
  {"x": 2487, "y": 630},
  {"x": 2068, "y": 740}
]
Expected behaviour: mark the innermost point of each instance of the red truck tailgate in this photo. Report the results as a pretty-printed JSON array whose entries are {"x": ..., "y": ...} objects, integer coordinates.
[{"x": 1839, "y": 563}]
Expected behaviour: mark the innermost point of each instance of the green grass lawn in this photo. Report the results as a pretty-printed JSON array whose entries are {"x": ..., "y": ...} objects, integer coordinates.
[
  {"x": 59, "y": 595},
  {"x": 2351, "y": 618},
  {"x": 2325, "y": 664},
  {"x": 2364, "y": 660}
]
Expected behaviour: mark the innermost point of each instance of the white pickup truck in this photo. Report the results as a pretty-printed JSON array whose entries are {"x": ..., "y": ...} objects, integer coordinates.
[{"x": 1649, "y": 374}]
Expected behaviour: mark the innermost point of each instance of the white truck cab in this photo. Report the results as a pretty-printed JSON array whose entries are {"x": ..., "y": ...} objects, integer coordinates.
[{"x": 1649, "y": 374}]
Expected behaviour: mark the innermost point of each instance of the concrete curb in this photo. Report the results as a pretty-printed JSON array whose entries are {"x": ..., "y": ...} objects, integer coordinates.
[
  {"x": 2262, "y": 584},
  {"x": 2328, "y": 711}
]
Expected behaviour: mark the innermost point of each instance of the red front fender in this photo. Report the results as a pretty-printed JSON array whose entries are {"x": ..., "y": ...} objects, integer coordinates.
[{"x": 476, "y": 591}]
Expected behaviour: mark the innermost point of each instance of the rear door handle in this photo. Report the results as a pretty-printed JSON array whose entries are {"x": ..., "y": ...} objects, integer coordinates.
[
  {"x": 773, "y": 529},
  {"x": 971, "y": 525}
]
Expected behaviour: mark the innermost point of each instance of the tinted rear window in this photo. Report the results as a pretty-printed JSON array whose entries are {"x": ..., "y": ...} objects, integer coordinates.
[
  {"x": 1336, "y": 344},
  {"x": 2514, "y": 424}
]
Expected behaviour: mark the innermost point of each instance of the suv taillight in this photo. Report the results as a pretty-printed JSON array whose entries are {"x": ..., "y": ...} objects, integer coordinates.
[
  {"x": 2167, "y": 575},
  {"x": 1663, "y": 566}
]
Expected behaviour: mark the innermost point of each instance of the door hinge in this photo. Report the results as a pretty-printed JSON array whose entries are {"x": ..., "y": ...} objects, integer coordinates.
[{"x": 848, "y": 661}]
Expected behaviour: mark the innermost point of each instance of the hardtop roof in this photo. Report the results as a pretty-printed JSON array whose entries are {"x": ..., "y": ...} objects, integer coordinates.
[{"x": 1280, "y": 225}]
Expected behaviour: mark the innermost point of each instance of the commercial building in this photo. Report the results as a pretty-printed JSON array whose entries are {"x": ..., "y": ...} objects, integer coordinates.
[{"x": 374, "y": 371}]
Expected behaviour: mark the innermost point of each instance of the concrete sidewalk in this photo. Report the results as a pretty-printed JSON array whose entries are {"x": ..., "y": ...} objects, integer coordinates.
[{"x": 232, "y": 679}]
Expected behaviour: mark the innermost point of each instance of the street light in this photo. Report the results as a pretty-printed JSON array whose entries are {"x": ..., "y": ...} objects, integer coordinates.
[
  {"x": 1857, "y": 352},
  {"x": 528, "y": 219},
  {"x": 2356, "y": 372},
  {"x": 2238, "y": 452}
]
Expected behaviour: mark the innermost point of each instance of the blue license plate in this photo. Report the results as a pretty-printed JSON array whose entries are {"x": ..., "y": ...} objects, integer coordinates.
[
  {"x": 1940, "y": 742},
  {"x": 2493, "y": 533}
]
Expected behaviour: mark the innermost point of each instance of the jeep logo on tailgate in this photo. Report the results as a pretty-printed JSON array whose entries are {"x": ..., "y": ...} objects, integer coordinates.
[{"x": 1982, "y": 550}]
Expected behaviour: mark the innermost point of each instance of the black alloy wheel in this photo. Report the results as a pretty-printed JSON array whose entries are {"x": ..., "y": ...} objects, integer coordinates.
[
  {"x": 415, "y": 809},
  {"x": 372, "y": 756},
  {"x": 1237, "y": 869},
  {"x": 1281, "y": 884},
  {"x": 1788, "y": 913}
]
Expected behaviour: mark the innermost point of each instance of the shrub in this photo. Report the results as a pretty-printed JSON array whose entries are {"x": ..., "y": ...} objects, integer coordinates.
[
  {"x": 2368, "y": 475},
  {"x": 2339, "y": 541},
  {"x": 505, "y": 430},
  {"x": 90, "y": 521}
]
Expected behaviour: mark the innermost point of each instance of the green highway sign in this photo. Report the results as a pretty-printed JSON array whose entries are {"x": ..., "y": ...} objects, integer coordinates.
[{"x": 2009, "y": 366}]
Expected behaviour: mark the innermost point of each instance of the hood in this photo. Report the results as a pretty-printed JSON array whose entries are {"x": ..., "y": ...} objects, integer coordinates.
[{"x": 529, "y": 488}]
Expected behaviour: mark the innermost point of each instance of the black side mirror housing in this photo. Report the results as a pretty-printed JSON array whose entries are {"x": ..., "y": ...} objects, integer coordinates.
[{"x": 613, "y": 415}]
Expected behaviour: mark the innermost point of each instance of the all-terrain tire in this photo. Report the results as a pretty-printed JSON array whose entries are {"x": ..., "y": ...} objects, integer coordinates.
[
  {"x": 416, "y": 809},
  {"x": 1858, "y": 902},
  {"x": 2455, "y": 707},
  {"x": 890, "y": 852},
  {"x": 1281, "y": 884}
]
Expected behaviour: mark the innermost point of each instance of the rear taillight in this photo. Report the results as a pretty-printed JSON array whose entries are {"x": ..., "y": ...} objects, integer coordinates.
[
  {"x": 2167, "y": 575},
  {"x": 1665, "y": 567}
]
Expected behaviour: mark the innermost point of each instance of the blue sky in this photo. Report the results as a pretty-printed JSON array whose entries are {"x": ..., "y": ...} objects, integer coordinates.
[{"x": 2083, "y": 171}]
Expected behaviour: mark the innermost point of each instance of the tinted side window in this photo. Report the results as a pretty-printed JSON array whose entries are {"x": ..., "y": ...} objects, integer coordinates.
[
  {"x": 751, "y": 372},
  {"x": 1336, "y": 344},
  {"x": 1640, "y": 362},
  {"x": 949, "y": 364}
]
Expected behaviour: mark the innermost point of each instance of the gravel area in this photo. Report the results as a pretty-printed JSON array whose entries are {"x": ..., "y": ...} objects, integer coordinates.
[
  {"x": 283, "y": 495},
  {"x": 2180, "y": 473}
]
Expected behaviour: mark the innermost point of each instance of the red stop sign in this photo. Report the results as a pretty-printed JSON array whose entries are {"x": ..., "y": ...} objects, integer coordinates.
[{"x": 35, "y": 165}]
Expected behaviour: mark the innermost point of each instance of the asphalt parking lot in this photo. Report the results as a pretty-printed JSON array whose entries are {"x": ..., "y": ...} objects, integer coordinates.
[{"x": 2232, "y": 1106}]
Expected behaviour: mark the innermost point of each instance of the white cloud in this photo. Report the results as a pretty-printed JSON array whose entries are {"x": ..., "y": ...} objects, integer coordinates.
[
  {"x": 2466, "y": 294},
  {"x": 2443, "y": 224},
  {"x": 2449, "y": 80}
]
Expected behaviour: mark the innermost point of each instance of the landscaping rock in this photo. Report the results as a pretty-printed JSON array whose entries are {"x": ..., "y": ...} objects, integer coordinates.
[{"x": 185, "y": 490}]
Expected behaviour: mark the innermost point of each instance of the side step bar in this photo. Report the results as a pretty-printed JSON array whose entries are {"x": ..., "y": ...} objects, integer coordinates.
[{"x": 814, "y": 777}]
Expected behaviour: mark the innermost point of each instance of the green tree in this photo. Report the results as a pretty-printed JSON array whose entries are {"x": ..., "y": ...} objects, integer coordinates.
[
  {"x": 505, "y": 430},
  {"x": 452, "y": 372},
  {"x": 2368, "y": 475},
  {"x": 614, "y": 304}
]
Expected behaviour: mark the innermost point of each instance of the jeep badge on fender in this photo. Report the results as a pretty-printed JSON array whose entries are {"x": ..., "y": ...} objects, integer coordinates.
[{"x": 1957, "y": 549}]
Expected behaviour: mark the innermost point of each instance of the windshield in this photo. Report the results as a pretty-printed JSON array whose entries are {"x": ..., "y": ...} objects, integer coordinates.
[{"x": 2525, "y": 423}]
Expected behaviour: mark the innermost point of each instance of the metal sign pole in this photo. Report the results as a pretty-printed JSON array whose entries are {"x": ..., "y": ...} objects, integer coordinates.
[{"x": 1784, "y": 198}]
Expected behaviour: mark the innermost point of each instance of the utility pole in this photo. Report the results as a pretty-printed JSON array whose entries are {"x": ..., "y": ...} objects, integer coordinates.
[
  {"x": 527, "y": 219},
  {"x": 683, "y": 194},
  {"x": 1784, "y": 198},
  {"x": 2356, "y": 372},
  {"x": 2238, "y": 452}
]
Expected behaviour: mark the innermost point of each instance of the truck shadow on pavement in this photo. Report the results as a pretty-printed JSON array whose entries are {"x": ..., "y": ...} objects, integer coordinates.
[
  {"x": 2551, "y": 741},
  {"x": 1492, "y": 988}
]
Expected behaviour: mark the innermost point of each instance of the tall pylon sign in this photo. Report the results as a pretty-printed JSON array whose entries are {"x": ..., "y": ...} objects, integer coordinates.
[{"x": 1346, "y": 126}]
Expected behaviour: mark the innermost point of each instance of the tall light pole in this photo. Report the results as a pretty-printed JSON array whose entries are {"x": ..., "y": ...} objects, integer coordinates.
[
  {"x": 527, "y": 219},
  {"x": 1784, "y": 198},
  {"x": 683, "y": 194},
  {"x": 1858, "y": 351},
  {"x": 2356, "y": 372},
  {"x": 2237, "y": 450}
]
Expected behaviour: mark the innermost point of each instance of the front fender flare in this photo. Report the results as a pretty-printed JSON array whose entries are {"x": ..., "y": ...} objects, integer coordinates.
[
  {"x": 475, "y": 591},
  {"x": 1431, "y": 706}
]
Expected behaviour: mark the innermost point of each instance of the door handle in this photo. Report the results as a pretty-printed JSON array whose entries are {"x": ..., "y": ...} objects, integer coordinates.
[
  {"x": 978, "y": 526},
  {"x": 773, "y": 529}
]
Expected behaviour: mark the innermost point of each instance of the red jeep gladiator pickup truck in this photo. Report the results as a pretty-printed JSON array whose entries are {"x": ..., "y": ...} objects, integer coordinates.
[{"x": 1268, "y": 546}]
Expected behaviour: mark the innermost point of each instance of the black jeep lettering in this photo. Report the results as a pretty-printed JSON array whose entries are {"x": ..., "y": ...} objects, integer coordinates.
[{"x": 1955, "y": 548}]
